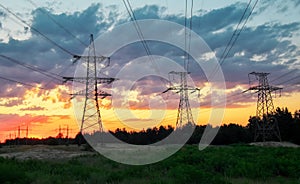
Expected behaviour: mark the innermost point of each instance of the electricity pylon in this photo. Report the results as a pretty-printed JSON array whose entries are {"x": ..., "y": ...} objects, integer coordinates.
[
  {"x": 91, "y": 116},
  {"x": 266, "y": 125},
  {"x": 184, "y": 112},
  {"x": 65, "y": 130},
  {"x": 19, "y": 134},
  {"x": 21, "y": 129}
]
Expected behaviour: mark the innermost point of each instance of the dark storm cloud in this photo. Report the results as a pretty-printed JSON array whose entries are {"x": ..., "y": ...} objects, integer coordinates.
[
  {"x": 149, "y": 12},
  {"x": 219, "y": 18},
  {"x": 79, "y": 23}
]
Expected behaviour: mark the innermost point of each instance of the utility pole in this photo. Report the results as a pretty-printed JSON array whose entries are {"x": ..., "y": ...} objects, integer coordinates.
[
  {"x": 91, "y": 116},
  {"x": 67, "y": 132},
  {"x": 22, "y": 129},
  {"x": 266, "y": 125},
  {"x": 19, "y": 133},
  {"x": 61, "y": 131},
  {"x": 27, "y": 131}
]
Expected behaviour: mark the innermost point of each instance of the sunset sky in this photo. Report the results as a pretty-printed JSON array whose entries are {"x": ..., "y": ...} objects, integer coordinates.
[{"x": 269, "y": 42}]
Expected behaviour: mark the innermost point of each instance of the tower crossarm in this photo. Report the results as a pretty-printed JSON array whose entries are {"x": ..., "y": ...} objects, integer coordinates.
[
  {"x": 100, "y": 80},
  {"x": 179, "y": 88},
  {"x": 100, "y": 93},
  {"x": 259, "y": 73},
  {"x": 179, "y": 73},
  {"x": 268, "y": 88},
  {"x": 86, "y": 58}
]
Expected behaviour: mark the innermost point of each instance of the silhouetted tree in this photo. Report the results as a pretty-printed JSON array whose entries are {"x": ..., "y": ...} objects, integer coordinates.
[
  {"x": 232, "y": 133},
  {"x": 285, "y": 122},
  {"x": 79, "y": 139}
]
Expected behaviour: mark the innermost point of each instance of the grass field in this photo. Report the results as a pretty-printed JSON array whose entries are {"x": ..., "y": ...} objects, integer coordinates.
[{"x": 216, "y": 164}]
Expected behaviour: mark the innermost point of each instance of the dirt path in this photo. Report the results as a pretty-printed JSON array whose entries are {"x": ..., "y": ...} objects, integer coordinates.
[
  {"x": 43, "y": 152},
  {"x": 275, "y": 144}
]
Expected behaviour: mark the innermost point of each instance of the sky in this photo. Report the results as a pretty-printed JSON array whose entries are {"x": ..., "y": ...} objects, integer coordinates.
[{"x": 269, "y": 42}]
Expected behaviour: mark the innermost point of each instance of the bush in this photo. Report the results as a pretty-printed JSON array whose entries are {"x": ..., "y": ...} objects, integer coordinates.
[{"x": 10, "y": 173}]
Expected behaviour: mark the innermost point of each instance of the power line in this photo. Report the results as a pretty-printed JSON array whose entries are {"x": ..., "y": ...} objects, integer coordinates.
[
  {"x": 231, "y": 43},
  {"x": 235, "y": 31},
  {"x": 140, "y": 35},
  {"x": 186, "y": 47},
  {"x": 184, "y": 112},
  {"x": 19, "y": 82},
  {"x": 237, "y": 94},
  {"x": 238, "y": 34},
  {"x": 185, "y": 40},
  {"x": 265, "y": 124},
  {"x": 137, "y": 27},
  {"x": 293, "y": 78},
  {"x": 33, "y": 68},
  {"x": 91, "y": 92},
  {"x": 295, "y": 84},
  {"x": 232, "y": 99},
  {"x": 187, "y": 55},
  {"x": 39, "y": 70},
  {"x": 44, "y": 36},
  {"x": 37, "y": 31},
  {"x": 139, "y": 30},
  {"x": 235, "y": 35},
  {"x": 235, "y": 99},
  {"x": 57, "y": 23},
  {"x": 283, "y": 75}
]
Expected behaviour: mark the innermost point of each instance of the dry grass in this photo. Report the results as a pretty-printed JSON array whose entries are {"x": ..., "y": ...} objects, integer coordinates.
[{"x": 45, "y": 152}]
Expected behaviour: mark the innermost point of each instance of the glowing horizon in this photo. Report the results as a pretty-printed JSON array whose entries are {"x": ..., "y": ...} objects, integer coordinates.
[{"x": 42, "y": 125}]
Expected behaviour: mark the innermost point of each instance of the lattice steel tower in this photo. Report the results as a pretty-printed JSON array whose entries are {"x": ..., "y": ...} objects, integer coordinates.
[
  {"x": 184, "y": 112},
  {"x": 91, "y": 116},
  {"x": 266, "y": 124}
]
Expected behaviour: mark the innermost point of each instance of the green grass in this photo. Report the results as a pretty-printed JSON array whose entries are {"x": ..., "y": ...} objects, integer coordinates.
[{"x": 228, "y": 164}]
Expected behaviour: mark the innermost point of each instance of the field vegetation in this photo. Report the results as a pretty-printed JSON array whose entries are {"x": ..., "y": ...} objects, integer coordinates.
[{"x": 216, "y": 164}]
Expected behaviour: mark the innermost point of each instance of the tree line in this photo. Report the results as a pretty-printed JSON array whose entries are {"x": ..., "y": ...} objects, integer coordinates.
[{"x": 289, "y": 126}]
